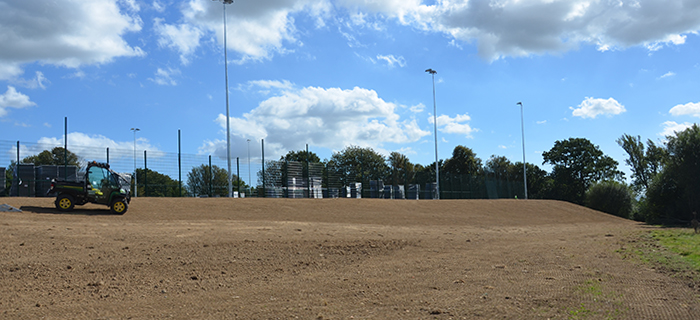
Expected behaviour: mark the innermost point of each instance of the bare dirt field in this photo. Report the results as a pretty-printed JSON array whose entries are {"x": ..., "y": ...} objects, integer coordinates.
[{"x": 329, "y": 259}]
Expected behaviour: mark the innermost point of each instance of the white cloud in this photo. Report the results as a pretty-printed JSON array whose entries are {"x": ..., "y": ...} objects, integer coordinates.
[
  {"x": 391, "y": 60},
  {"x": 331, "y": 118},
  {"x": 671, "y": 127},
  {"x": 184, "y": 38},
  {"x": 165, "y": 77},
  {"x": 13, "y": 99},
  {"x": 80, "y": 74},
  {"x": 500, "y": 28},
  {"x": 158, "y": 6},
  {"x": 456, "y": 125},
  {"x": 93, "y": 146},
  {"x": 266, "y": 86},
  {"x": 591, "y": 108},
  {"x": 256, "y": 30},
  {"x": 518, "y": 28},
  {"x": 38, "y": 82},
  {"x": 65, "y": 33},
  {"x": 667, "y": 74},
  {"x": 417, "y": 108},
  {"x": 131, "y": 5},
  {"x": 542, "y": 122},
  {"x": 689, "y": 108}
]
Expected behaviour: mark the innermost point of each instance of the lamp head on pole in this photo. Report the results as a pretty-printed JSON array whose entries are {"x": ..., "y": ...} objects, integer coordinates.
[
  {"x": 225, "y": 1},
  {"x": 135, "y": 129},
  {"x": 431, "y": 71},
  {"x": 520, "y": 104}
]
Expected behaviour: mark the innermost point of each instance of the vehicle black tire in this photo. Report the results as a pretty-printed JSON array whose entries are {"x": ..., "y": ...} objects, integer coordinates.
[
  {"x": 64, "y": 202},
  {"x": 119, "y": 206}
]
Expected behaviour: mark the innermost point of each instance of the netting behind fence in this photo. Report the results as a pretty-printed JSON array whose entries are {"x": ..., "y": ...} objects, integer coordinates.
[
  {"x": 163, "y": 174},
  {"x": 158, "y": 173}
]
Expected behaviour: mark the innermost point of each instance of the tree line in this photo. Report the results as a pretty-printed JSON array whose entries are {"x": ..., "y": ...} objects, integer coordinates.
[{"x": 664, "y": 185}]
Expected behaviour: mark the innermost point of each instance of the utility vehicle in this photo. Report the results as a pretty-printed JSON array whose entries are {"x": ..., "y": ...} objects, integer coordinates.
[{"x": 100, "y": 185}]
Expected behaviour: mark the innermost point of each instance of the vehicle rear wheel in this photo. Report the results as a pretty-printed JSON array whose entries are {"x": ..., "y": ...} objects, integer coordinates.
[
  {"x": 119, "y": 206},
  {"x": 64, "y": 202}
]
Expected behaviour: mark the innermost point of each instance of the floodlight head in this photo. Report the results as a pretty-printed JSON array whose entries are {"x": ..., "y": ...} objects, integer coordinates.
[
  {"x": 431, "y": 71},
  {"x": 519, "y": 103},
  {"x": 224, "y": 1}
]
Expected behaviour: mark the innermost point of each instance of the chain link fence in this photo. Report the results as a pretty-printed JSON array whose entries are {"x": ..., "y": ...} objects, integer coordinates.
[{"x": 164, "y": 174}]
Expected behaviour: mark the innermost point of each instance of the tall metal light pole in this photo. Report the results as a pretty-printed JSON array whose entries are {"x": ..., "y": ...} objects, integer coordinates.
[
  {"x": 228, "y": 128},
  {"x": 437, "y": 169},
  {"x": 522, "y": 126},
  {"x": 136, "y": 180},
  {"x": 249, "y": 182}
]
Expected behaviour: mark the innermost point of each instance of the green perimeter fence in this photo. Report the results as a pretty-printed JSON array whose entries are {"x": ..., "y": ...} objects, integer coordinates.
[{"x": 167, "y": 174}]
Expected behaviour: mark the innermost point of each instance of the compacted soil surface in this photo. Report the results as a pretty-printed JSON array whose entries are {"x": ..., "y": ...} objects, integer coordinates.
[{"x": 218, "y": 258}]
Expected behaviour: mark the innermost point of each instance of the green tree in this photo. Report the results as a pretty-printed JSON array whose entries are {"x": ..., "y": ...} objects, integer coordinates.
[
  {"x": 302, "y": 159},
  {"x": 499, "y": 167},
  {"x": 402, "y": 170},
  {"x": 426, "y": 174},
  {"x": 577, "y": 164},
  {"x": 203, "y": 181},
  {"x": 539, "y": 182},
  {"x": 155, "y": 184},
  {"x": 356, "y": 164},
  {"x": 645, "y": 164},
  {"x": 8, "y": 177},
  {"x": 56, "y": 156},
  {"x": 463, "y": 161},
  {"x": 301, "y": 156},
  {"x": 271, "y": 176},
  {"x": 611, "y": 197},
  {"x": 673, "y": 194}
]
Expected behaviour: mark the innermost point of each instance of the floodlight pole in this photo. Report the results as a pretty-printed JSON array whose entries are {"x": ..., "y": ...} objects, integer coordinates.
[
  {"x": 437, "y": 168},
  {"x": 228, "y": 128},
  {"x": 136, "y": 181},
  {"x": 522, "y": 126}
]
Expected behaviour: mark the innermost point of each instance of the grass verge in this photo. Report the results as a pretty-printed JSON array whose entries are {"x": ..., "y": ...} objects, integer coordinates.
[{"x": 672, "y": 251}]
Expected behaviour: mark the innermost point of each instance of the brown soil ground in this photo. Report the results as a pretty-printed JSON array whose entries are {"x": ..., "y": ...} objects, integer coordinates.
[{"x": 328, "y": 259}]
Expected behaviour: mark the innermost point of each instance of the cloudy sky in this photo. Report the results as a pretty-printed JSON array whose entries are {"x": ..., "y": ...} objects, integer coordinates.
[{"x": 348, "y": 72}]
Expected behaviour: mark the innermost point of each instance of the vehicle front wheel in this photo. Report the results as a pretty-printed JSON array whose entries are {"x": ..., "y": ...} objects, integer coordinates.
[
  {"x": 64, "y": 202},
  {"x": 119, "y": 206}
]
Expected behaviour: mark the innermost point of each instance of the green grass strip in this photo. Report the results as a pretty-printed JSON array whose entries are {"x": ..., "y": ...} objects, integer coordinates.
[{"x": 682, "y": 242}]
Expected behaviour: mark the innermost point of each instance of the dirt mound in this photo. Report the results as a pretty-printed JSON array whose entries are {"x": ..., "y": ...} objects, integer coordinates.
[
  {"x": 362, "y": 211},
  {"x": 327, "y": 259}
]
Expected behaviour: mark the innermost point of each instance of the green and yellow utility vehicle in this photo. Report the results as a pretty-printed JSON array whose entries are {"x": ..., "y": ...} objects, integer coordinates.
[{"x": 100, "y": 185}]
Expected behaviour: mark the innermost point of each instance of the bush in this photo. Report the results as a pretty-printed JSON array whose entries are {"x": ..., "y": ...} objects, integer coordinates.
[{"x": 610, "y": 197}]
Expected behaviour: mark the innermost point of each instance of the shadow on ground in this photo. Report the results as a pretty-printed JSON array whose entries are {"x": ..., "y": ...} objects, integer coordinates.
[{"x": 84, "y": 212}]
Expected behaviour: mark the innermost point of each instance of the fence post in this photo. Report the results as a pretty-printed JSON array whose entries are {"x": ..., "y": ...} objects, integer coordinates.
[
  {"x": 263, "y": 167},
  {"x": 308, "y": 173},
  {"x": 15, "y": 182},
  {"x": 285, "y": 179},
  {"x": 145, "y": 173},
  {"x": 238, "y": 177},
  {"x": 65, "y": 149},
  {"x": 179, "y": 165},
  {"x": 211, "y": 178}
]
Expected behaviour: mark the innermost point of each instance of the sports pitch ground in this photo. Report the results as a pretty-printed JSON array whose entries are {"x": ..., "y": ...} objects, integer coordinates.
[{"x": 186, "y": 258}]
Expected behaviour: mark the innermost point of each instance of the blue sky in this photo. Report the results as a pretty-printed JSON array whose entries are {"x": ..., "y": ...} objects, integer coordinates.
[{"x": 350, "y": 72}]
